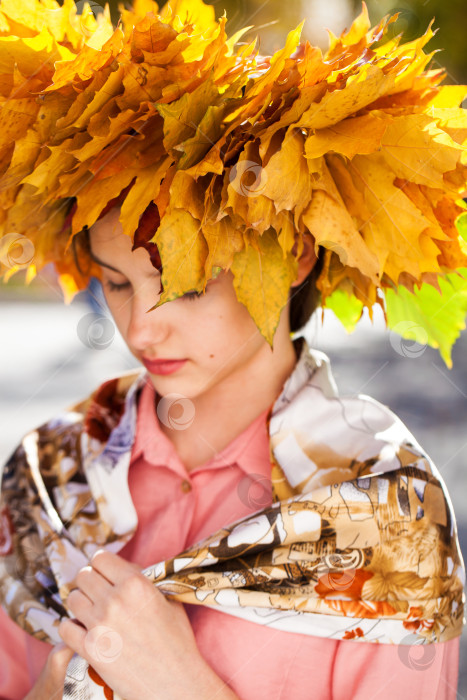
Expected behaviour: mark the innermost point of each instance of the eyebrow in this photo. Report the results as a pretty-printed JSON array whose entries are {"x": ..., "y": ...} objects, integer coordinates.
[{"x": 103, "y": 264}]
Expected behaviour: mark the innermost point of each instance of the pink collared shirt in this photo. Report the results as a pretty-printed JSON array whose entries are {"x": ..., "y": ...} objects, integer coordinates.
[{"x": 177, "y": 508}]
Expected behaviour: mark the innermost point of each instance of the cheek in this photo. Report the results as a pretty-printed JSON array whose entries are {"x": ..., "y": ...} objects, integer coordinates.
[
  {"x": 226, "y": 325},
  {"x": 120, "y": 312}
]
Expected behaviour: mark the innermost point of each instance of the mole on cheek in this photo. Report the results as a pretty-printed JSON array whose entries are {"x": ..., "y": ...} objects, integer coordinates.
[{"x": 211, "y": 355}]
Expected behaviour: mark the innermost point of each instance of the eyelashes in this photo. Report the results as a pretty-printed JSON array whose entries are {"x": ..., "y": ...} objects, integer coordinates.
[
  {"x": 113, "y": 287},
  {"x": 192, "y": 295}
]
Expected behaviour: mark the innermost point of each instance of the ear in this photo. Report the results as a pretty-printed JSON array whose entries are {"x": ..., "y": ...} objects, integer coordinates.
[{"x": 307, "y": 259}]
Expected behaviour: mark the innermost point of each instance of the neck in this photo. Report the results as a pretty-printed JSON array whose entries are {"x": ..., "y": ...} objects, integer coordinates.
[{"x": 221, "y": 415}]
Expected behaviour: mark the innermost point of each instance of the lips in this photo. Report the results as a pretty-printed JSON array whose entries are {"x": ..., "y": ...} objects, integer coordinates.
[{"x": 162, "y": 366}]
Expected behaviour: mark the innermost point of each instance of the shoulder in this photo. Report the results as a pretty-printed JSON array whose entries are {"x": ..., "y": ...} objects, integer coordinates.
[
  {"x": 101, "y": 411},
  {"x": 337, "y": 437},
  {"x": 110, "y": 392},
  {"x": 97, "y": 414}
]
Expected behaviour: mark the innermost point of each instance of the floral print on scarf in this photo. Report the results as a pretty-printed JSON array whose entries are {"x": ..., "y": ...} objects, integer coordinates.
[{"x": 359, "y": 543}]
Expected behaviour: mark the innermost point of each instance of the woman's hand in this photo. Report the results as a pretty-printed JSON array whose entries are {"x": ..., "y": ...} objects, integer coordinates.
[
  {"x": 49, "y": 685},
  {"x": 139, "y": 642}
]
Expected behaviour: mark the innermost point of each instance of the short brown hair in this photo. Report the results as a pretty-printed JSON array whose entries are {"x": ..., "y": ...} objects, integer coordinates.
[{"x": 306, "y": 297}]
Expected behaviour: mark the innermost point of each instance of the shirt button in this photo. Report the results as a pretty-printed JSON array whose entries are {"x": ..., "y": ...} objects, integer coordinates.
[{"x": 185, "y": 486}]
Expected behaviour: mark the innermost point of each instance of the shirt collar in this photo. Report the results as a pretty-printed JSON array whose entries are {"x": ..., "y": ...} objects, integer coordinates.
[{"x": 249, "y": 450}]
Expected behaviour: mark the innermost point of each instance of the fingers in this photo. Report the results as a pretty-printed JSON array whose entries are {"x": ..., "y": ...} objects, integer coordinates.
[
  {"x": 92, "y": 584},
  {"x": 97, "y": 584},
  {"x": 52, "y": 677},
  {"x": 72, "y": 634},
  {"x": 60, "y": 657},
  {"x": 112, "y": 567},
  {"x": 80, "y": 606}
]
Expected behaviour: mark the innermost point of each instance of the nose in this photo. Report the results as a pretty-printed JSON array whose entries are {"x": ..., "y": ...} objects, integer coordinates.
[{"x": 146, "y": 329}]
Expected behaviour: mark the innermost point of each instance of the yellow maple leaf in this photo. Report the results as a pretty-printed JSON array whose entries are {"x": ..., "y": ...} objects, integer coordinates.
[
  {"x": 16, "y": 116},
  {"x": 182, "y": 12},
  {"x": 104, "y": 86},
  {"x": 284, "y": 225},
  {"x": 208, "y": 131},
  {"x": 416, "y": 149},
  {"x": 138, "y": 11},
  {"x": 361, "y": 146},
  {"x": 360, "y": 90},
  {"x": 83, "y": 66},
  {"x": 287, "y": 177},
  {"x": 33, "y": 55},
  {"x": 357, "y": 32},
  {"x": 394, "y": 225},
  {"x": 93, "y": 196},
  {"x": 25, "y": 153},
  {"x": 330, "y": 223},
  {"x": 183, "y": 254},
  {"x": 351, "y": 136},
  {"x": 258, "y": 92},
  {"x": 145, "y": 189},
  {"x": 292, "y": 115},
  {"x": 182, "y": 116},
  {"x": 262, "y": 281},
  {"x": 45, "y": 176},
  {"x": 223, "y": 241},
  {"x": 452, "y": 120}
]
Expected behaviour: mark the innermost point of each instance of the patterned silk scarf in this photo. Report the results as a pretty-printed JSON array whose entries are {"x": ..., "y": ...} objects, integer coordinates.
[{"x": 359, "y": 543}]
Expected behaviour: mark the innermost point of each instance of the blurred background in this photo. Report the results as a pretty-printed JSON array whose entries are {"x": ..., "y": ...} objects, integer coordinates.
[{"x": 52, "y": 355}]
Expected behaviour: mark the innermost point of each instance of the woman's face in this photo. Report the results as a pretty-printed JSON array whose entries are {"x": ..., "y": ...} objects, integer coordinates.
[{"x": 214, "y": 333}]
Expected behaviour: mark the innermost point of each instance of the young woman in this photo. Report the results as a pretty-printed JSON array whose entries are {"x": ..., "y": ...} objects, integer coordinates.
[
  {"x": 294, "y": 543},
  {"x": 191, "y": 480}
]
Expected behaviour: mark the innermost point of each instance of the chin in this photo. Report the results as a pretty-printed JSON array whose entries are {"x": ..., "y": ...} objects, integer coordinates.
[{"x": 168, "y": 384}]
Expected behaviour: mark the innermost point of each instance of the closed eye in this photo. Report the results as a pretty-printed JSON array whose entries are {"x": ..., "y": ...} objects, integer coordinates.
[
  {"x": 192, "y": 295},
  {"x": 112, "y": 287}
]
